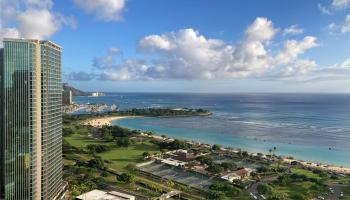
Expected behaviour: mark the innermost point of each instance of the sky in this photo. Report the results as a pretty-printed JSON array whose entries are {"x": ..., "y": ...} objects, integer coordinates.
[{"x": 219, "y": 46}]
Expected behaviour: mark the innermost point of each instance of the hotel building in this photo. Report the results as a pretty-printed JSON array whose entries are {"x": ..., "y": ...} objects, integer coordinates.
[{"x": 31, "y": 120}]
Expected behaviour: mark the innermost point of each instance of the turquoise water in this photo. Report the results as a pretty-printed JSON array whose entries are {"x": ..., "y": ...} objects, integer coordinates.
[
  {"x": 305, "y": 152},
  {"x": 304, "y": 126}
]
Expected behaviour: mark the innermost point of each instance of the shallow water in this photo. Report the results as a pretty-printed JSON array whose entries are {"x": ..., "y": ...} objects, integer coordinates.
[{"x": 301, "y": 125}]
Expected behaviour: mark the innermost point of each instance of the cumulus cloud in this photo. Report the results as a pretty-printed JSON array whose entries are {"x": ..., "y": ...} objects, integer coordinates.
[
  {"x": 32, "y": 19},
  {"x": 292, "y": 30},
  {"x": 39, "y": 3},
  {"x": 299, "y": 67},
  {"x": 105, "y": 10},
  {"x": 334, "y": 6},
  {"x": 186, "y": 54},
  {"x": 36, "y": 24},
  {"x": 324, "y": 9},
  {"x": 293, "y": 48},
  {"x": 307, "y": 71},
  {"x": 106, "y": 61},
  {"x": 340, "y": 3},
  {"x": 9, "y": 33},
  {"x": 346, "y": 26}
]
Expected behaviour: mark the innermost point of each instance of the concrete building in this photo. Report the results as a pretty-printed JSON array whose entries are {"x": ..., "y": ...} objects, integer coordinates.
[
  {"x": 102, "y": 195},
  {"x": 240, "y": 174},
  {"x": 97, "y": 94},
  {"x": 31, "y": 126},
  {"x": 183, "y": 155},
  {"x": 67, "y": 97}
]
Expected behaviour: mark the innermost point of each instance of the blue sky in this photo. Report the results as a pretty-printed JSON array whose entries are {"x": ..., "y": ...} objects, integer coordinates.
[{"x": 193, "y": 45}]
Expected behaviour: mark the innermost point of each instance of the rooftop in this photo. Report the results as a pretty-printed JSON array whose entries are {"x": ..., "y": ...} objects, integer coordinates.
[{"x": 102, "y": 195}]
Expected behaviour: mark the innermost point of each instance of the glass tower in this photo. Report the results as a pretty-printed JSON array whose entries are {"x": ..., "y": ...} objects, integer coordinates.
[{"x": 31, "y": 133}]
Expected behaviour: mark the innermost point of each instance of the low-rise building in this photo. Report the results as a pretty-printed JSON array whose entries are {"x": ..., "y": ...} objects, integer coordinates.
[
  {"x": 102, "y": 195},
  {"x": 183, "y": 155},
  {"x": 240, "y": 174},
  {"x": 230, "y": 177}
]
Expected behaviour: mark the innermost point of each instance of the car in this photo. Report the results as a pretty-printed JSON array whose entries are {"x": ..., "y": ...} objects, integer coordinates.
[{"x": 320, "y": 197}]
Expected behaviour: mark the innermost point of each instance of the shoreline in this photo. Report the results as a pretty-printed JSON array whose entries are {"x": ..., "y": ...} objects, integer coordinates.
[
  {"x": 98, "y": 122},
  {"x": 101, "y": 121}
]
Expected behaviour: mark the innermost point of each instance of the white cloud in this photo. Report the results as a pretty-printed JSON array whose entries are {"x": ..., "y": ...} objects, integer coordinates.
[
  {"x": 32, "y": 19},
  {"x": 106, "y": 10},
  {"x": 261, "y": 30},
  {"x": 340, "y": 3},
  {"x": 346, "y": 26},
  {"x": 106, "y": 61},
  {"x": 332, "y": 28},
  {"x": 9, "y": 33},
  {"x": 292, "y": 49},
  {"x": 299, "y": 67},
  {"x": 345, "y": 64},
  {"x": 36, "y": 24},
  {"x": 155, "y": 42},
  {"x": 186, "y": 54},
  {"x": 324, "y": 9},
  {"x": 114, "y": 50},
  {"x": 334, "y": 6},
  {"x": 293, "y": 30},
  {"x": 39, "y": 3}
]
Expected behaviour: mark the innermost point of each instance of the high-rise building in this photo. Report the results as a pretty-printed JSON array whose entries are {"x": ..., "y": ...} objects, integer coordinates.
[
  {"x": 31, "y": 133},
  {"x": 67, "y": 97}
]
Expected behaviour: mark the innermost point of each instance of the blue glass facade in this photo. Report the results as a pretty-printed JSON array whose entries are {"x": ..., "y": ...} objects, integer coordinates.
[{"x": 32, "y": 120}]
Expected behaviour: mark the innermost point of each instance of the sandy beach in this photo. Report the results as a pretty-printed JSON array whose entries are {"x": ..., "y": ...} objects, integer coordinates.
[
  {"x": 313, "y": 165},
  {"x": 103, "y": 121}
]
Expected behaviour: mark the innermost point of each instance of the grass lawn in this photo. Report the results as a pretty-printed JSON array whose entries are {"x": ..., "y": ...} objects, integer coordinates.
[
  {"x": 346, "y": 192},
  {"x": 303, "y": 188},
  {"x": 119, "y": 157},
  {"x": 307, "y": 173}
]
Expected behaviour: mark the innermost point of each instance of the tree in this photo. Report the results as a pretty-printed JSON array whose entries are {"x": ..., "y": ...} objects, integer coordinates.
[
  {"x": 123, "y": 142},
  {"x": 96, "y": 162},
  {"x": 245, "y": 154},
  {"x": 213, "y": 194},
  {"x": 262, "y": 169},
  {"x": 126, "y": 177},
  {"x": 146, "y": 154},
  {"x": 97, "y": 148},
  {"x": 229, "y": 166},
  {"x": 228, "y": 189},
  {"x": 205, "y": 159},
  {"x": 67, "y": 131},
  {"x": 299, "y": 197},
  {"x": 106, "y": 135},
  {"x": 216, "y": 147},
  {"x": 277, "y": 196},
  {"x": 216, "y": 169},
  {"x": 283, "y": 179},
  {"x": 264, "y": 188},
  {"x": 104, "y": 174},
  {"x": 179, "y": 144}
]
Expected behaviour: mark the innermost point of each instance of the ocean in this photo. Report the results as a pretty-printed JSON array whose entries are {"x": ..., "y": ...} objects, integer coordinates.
[{"x": 314, "y": 127}]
